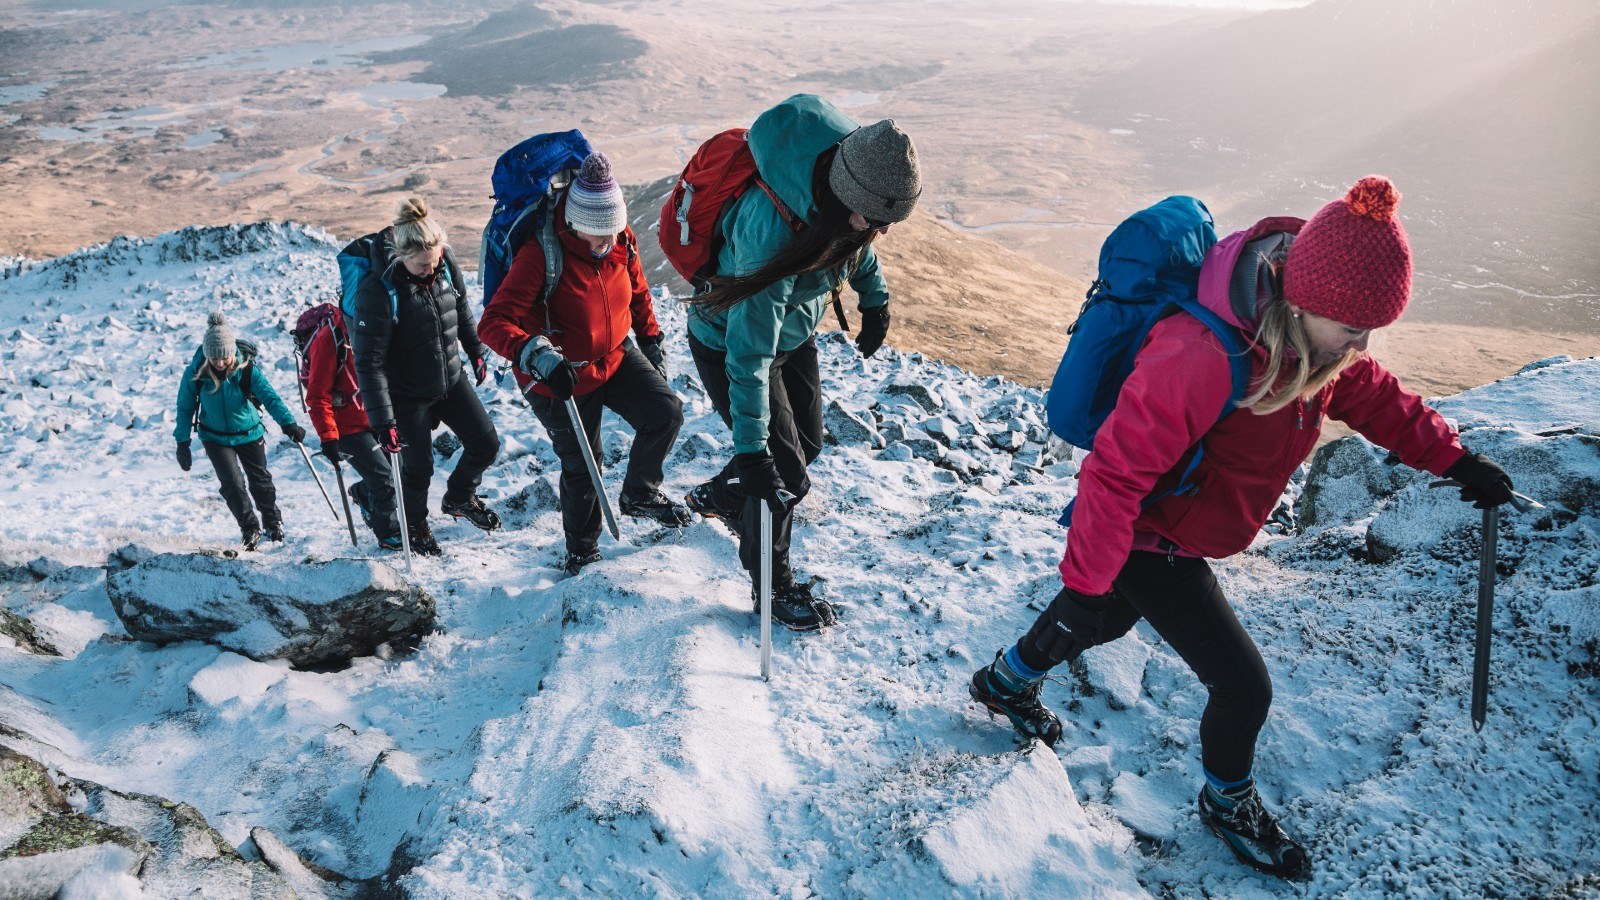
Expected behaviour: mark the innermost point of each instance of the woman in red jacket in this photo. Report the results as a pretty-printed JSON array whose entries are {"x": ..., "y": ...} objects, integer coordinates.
[
  {"x": 1310, "y": 293},
  {"x": 575, "y": 345},
  {"x": 333, "y": 400}
]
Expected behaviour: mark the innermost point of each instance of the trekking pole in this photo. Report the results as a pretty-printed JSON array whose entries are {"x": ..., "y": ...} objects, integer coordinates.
[
  {"x": 344, "y": 497},
  {"x": 765, "y": 582},
  {"x": 594, "y": 467},
  {"x": 400, "y": 506},
  {"x": 318, "y": 479},
  {"x": 1486, "y": 575}
]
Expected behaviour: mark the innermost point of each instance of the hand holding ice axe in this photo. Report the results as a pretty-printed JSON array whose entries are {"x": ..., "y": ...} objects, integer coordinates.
[{"x": 1486, "y": 486}]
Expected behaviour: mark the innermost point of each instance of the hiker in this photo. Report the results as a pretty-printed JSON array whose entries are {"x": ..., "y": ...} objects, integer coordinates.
[
  {"x": 411, "y": 325},
  {"x": 219, "y": 395},
  {"x": 751, "y": 328},
  {"x": 572, "y": 342},
  {"x": 1307, "y": 297},
  {"x": 333, "y": 402}
]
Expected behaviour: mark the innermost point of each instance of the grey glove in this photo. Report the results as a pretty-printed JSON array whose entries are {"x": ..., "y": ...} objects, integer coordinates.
[
  {"x": 651, "y": 348},
  {"x": 540, "y": 359}
]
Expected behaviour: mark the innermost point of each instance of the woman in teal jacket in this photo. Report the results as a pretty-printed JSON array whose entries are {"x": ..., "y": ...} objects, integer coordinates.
[
  {"x": 752, "y": 332},
  {"x": 219, "y": 394}
]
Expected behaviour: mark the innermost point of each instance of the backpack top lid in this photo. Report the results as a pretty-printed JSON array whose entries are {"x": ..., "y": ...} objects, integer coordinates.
[
  {"x": 522, "y": 174},
  {"x": 1155, "y": 254}
]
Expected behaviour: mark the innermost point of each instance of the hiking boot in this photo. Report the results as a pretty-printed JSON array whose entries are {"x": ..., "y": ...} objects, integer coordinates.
[
  {"x": 796, "y": 609},
  {"x": 574, "y": 562},
  {"x": 422, "y": 540},
  {"x": 1237, "y": 816},
  {"x": 657, "y": 507},
  {"x": 392, "y": 542},
  {"x": 1002, "y": 691},
  {"x": 274, "y": 533},
  {"x": 251, "y": 537},
  {"x": 358, "y": 496},
  {"x": 702, "y": 500},
  {"x": 473, "y": 510}
]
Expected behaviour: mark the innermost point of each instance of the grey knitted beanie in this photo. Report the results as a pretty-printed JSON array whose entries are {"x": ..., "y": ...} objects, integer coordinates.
[
  {"x": 220, "y": 337},
  {"x": 875, "y": 172}
]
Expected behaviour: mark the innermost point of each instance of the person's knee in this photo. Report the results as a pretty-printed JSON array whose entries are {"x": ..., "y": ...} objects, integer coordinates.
[{"x": 1074, "y": 622}]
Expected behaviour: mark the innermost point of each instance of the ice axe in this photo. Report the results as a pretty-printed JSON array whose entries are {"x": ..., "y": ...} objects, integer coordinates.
[
  {"x": 1486, "y": 574},
  {"x": 344, "y": 497},
  {"x": 400, "y": 505},
  {"x": 318, "y": 479},
  {"x": 765, "y": 581}
]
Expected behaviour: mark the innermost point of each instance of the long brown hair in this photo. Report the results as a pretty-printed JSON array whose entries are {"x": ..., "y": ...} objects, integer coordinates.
[
  {"x": 826, "y": 244},
  {"x": 1280, "y": 333}
]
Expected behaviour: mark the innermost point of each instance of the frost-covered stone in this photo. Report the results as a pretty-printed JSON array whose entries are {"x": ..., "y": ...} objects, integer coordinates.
[
  {"x": 919, "y": 393},
  {"x": 446, "y": 445},
  {"x": 313, "y": 614},
  {"x": 1345, "y": 475},
  {"x": 941, "y": 429},
  {"x": 850, "y": 428},
  {"x": 698, "y": 446}
]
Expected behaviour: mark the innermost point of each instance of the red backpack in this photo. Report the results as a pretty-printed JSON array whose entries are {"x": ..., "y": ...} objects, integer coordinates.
[
  {"x": 312, "y": 321},
  {"x": 717, "y": 174}
]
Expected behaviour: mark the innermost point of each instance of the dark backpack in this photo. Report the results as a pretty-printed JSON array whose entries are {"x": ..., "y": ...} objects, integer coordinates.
[
  {"x": 720, "y": 171},
  {"x": 1149, "y": 269},
  {"x": 306, "y": 328},
  {"x": 527, "y": 181}
]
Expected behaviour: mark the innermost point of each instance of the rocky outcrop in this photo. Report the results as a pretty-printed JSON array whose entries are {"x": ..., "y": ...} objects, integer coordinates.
[{"x": 315, "y": 614}]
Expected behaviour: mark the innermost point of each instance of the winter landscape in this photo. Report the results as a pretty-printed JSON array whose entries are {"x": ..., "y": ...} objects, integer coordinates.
[{"x": 487, "y": 726}]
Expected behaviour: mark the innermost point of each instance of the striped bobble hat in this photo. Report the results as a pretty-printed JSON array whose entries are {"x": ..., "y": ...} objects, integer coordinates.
[
  {"x": 594, "y": 204},
  {"x": 1352, "y": 263}
]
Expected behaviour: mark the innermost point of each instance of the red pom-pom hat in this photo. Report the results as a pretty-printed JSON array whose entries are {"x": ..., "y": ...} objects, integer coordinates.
[{"x": 1352, "y": 263}]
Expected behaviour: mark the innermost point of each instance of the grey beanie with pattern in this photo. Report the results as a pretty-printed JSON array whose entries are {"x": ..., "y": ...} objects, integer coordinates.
[
  {"x": 220, "y": 337},
  {"x": 594, "y": 204},
  {"x": 875, "y": 173}
]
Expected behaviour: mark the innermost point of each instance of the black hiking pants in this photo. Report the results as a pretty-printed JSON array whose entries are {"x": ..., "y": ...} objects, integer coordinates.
[
  {"x": 1180, "y": 598},
  {"x": 794, "y": 438},
  {"x": 637, "y": 393},
  {"x": 242, "y": 471},
  {"x": 460, "y": 411},
  {"x": 375, "y": 490}
]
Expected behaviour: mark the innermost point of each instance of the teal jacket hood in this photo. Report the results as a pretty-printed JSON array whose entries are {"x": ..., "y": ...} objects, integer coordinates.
[{"x": 786, "y": 141}]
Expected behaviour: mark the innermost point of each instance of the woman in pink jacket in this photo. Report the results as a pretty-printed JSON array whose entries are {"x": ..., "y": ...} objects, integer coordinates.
[{"x": 1310, "y": 294}]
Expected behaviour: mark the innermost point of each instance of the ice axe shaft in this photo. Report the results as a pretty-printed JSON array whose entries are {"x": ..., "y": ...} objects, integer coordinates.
[
  {"x": 582, "y": 435},
  {"x": 1480, "y": 656},
  {"x": 400, "y": 506},
  {"x": 344, "y": 497},
  {"x": 318, "y": 479},
  {"x": 764, "y": 580}
]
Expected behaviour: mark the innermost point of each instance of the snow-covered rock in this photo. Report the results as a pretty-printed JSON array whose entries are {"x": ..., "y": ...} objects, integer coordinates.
[{"x": 313, "y": 614}]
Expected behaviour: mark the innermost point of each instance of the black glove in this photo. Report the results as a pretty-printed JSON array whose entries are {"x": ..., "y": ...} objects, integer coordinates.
[
  {"x": 546, "y": 364},
  {"x": 1483, "y": 484},
  {"x": 759, "y": 478},
  {"x": 294, "y": 432},
  {"x": 330, "y": 449},
  {"x": 651, "y": 348},
  {"x": 874, "y": 325},
  {"x": 185, "y": 457},
  {"x": 480, "y": 370}
]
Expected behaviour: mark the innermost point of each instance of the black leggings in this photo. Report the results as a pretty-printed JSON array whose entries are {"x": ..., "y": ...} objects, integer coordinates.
[
  {"x": 460, "y": 410},
  {"x": 1180, "y": 598},
  {"x": 794, "y": 438}
]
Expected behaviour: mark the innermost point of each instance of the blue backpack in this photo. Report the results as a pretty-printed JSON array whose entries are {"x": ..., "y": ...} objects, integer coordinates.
[
  {"x": 355, "y": 264},
  {"x": 1149, "y": 269},
  {"x": 527, "y": 180}
]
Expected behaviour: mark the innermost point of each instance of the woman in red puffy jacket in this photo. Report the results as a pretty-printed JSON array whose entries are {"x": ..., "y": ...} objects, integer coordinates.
[{"x": 1310, "y": 293}]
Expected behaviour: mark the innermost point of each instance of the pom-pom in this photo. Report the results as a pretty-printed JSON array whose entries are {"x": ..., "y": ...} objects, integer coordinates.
[
  {"x": 216, "y": 318},
  {"x": 596, "y": 169},
  {"x": 1374, "y": 197}
]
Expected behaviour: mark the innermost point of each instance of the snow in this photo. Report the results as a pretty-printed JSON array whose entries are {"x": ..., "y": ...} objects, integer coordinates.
[{"x": 608, "y": 733}]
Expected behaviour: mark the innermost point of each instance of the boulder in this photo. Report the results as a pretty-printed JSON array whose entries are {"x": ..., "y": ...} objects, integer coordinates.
[
  {"x": 848, "y": 428},
  {"x": 315, "y": 614}
]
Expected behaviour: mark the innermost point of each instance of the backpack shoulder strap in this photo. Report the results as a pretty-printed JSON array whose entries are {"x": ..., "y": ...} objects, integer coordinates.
[
  {"x": 550, "y": 244},
  {"x": 795, "y": 223}
]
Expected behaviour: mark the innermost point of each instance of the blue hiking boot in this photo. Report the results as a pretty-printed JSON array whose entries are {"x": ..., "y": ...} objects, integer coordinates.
[
  {"x": 1002, "y": 691},
  {"x": 1237, "y": 816}
]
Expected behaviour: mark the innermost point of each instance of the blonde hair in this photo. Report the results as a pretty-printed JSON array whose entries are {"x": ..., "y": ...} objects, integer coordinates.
[
  {"x": 414, "y": 232},
  {"x": 208, "y": 372},
  {"x": 1280, "y": 332}
]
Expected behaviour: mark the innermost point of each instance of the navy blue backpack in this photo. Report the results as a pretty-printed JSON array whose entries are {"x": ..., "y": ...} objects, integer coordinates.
[
  {"x": 1149, "y": 269},
  {"x": 527, "y": 180}
]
